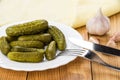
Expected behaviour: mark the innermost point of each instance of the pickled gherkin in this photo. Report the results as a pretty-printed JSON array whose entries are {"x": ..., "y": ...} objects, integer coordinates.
[
  {"x": 28, "y": 44},
  {"x": 58, "y": 36},
  {"x": 9, "y": 38},
  {"x": 23, "y": 49},
  {"x": 4, "y": 45},
  {"x": 32, "y": 27},
  {"x": 32, "y": 41},
  {"x": 51, "y": 51},
  {"x": 45, "y": 37},
  {"x": 27, "y": 56}
]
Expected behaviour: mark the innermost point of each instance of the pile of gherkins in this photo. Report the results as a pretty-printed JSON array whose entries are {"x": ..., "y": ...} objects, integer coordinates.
[{"x": 32, "y": 41}]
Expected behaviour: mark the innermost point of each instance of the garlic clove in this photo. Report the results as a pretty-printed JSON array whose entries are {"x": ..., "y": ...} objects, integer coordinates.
[
  {"x": 94, "y": 40},
  {"x": 98, "y": 25},
  {"x": 116, "y": 37},
  {"x": 111, "y": 43}
]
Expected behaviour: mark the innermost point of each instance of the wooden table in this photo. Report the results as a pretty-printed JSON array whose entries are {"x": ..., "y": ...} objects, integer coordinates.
[{"x": 79, "y": 69}]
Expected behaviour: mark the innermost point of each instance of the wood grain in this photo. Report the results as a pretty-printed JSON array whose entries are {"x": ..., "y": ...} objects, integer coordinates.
[
  {"x": 6, "y": 74},
  {"x": 78, "y": 69}
]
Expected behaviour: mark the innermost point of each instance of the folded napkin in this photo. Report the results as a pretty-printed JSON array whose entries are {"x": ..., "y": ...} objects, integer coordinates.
[
  {"x": 88, "y": 8},
  {"x": 74, "y": 13}
]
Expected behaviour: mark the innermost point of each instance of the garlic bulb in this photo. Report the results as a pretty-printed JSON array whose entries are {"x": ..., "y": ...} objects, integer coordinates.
[{"x": 98, "y": 25}]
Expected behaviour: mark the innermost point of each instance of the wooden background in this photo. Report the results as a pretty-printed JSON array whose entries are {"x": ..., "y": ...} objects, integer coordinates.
[{"x": 79, "y": 69}]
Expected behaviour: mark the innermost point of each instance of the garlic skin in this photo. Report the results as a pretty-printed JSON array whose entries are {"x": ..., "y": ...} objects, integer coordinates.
[
  {"x": 116, "y": 37},
  {"x": 98, "y": 25},
  {"x": 94, "y": 40},
  {"x": 111, "y": 43}
]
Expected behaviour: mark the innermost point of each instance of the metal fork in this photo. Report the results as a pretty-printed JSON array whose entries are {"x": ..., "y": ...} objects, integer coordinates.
[{"x": 87, "y": 54}]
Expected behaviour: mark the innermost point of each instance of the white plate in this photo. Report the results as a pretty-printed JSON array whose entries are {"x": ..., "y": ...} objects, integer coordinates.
[{"x": 59, "y": 61}]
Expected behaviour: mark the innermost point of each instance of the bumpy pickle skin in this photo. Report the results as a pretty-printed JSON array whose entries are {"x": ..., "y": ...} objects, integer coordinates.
[
  {"x": 9, "y": 38},
  {"x": 4, "y": 45},
  {"x": 51, "y": 51},
  {"x": 32, "y": 57},
  {"x": 45, "y": 37},
  {"x": 58, "y": 36},
  {"x": 28, "y": 44},
  {"x": 32, "y": 27},
  {"x": 23, "y": 49}
]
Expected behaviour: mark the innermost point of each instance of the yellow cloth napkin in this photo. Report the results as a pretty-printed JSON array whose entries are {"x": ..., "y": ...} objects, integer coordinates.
[
  {"x": 88, "y": 8},
  {"x": 74, "y": 13}
]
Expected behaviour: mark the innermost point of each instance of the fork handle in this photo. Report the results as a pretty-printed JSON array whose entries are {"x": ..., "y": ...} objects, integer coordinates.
[
  {"x": 95, "y": 58},
  {"x": 111, "y": 67}
]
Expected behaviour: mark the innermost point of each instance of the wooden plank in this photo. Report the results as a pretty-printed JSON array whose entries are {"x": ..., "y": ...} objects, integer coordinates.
[
  {"x": 6, "y": 74},
  {"x": 79, "y": 69},
  {"x": 76, "y": 70},
  {"x": 103, "y": 73},
  {"x": 52, "y": 74}
]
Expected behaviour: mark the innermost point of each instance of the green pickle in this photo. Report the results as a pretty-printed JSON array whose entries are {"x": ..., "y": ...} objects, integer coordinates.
[
  {"x": 51, "y": 51},
  {"x": 23, "y": 49},
  {"x": 45, "y": 37},
  {"x": 9, "y": 38},
  {"x": 58, "y": 36},
  {"x": 28, "y": 44},
  {"x": 25, "y": 42},
  {"x": 32, "y": 27},
  {"x": 37, "y": 56},
  {"x": 4, "y": 45}
]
